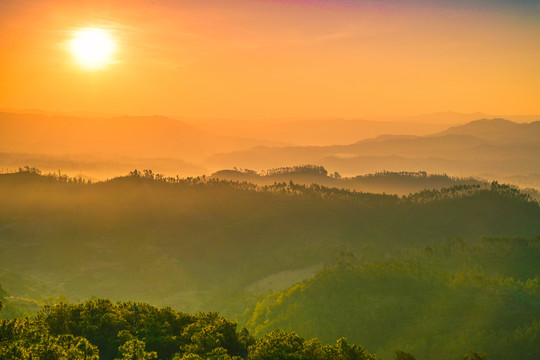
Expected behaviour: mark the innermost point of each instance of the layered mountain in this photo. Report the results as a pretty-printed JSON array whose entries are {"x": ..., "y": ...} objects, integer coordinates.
[
  {"x": 498, "y": 130},
  {"x": 150, "y": 136},
  {"x": 334, "y": 131},
  {"x": 102, "y": 147},
  {"x": 486, "y": 147},
  {"x": 319, "y": 131},
  {"x": 106, "y": 146}
]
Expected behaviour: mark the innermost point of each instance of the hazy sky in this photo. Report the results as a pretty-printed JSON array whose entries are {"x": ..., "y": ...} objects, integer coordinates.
[{"x": 275, "y": 58}]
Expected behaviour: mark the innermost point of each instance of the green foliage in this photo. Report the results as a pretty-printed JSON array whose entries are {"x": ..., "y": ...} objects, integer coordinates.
[
  {"x": 409, "y": 304},
  {"x": 281, "y": 345},
  {"x": 134, "y": 350},
  {"x": 278, "y": 345},
  {"x": 77, "y": 331},
  {"x": 25, "y": 339},
  {"x": 140, "y": 331},
  {"x": 510, "y": 257},
  {"x": 211, "y": 332}
]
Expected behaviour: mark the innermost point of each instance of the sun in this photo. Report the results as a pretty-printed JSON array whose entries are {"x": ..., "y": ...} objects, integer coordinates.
[{"x": 92, "y": 47}]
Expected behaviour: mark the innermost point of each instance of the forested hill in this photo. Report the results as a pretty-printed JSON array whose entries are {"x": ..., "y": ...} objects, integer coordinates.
[
  {"x": 436, "y": 302},
  {"x": 99, "y": 329},
  {"x": 400, "y": 183},
  {"x": 123, "y": 238}
]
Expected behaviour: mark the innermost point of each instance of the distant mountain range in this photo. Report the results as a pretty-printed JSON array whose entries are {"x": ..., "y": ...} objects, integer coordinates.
[
  {"x": 109, "y": 146},
  {"x": 153, "y": 136},
  {"x": 334, "y": 131},
  {"x": 320, "y": 131},
  {"x": 498, "y": 130},
  {"x": 484, "y": 147},
  {"x": 94, "y": 146}
]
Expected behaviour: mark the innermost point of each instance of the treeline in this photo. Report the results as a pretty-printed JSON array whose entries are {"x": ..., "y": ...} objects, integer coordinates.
[
  {"x": 316, "y": 170},
  {"x": 302, "y": 169},
  {"x": 32, "y": 174},
  {"x": 441, "y": 185},
  {"x": 390, "y": 182},
  {"x": 99, "y": 329},
  {"x": 56, "y": 177}
]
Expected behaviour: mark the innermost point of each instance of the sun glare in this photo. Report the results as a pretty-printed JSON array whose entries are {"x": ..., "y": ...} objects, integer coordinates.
[{"x": 92, "y": 48}]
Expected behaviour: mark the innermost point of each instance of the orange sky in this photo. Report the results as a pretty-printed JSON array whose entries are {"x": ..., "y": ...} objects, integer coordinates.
[{"x": 261, "y": 59}]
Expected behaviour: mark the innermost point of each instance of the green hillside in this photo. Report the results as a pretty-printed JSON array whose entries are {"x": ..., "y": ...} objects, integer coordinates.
[
  {"x": 435, "y": 302},
  {"x": 196, "y": 243}
]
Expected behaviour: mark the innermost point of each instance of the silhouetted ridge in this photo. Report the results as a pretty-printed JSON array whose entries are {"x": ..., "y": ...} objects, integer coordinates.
[{"x": 497, "y": 129}]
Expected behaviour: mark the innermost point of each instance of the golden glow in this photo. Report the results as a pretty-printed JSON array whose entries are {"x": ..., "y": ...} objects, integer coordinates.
[
  {"x": 92, "y": 48},
  {"x": 249, "y": 59}
]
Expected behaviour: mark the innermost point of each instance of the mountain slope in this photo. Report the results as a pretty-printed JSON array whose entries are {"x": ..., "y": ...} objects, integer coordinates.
[
  {"x": 479, "y": 148},
  {"x": 498, "y": 129},
  {"x": 413, "y": 305},
  {"x": 123, "y": 238},
  {"x": 323, "y": 132},
  {"x": 152, "y": 136}
]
